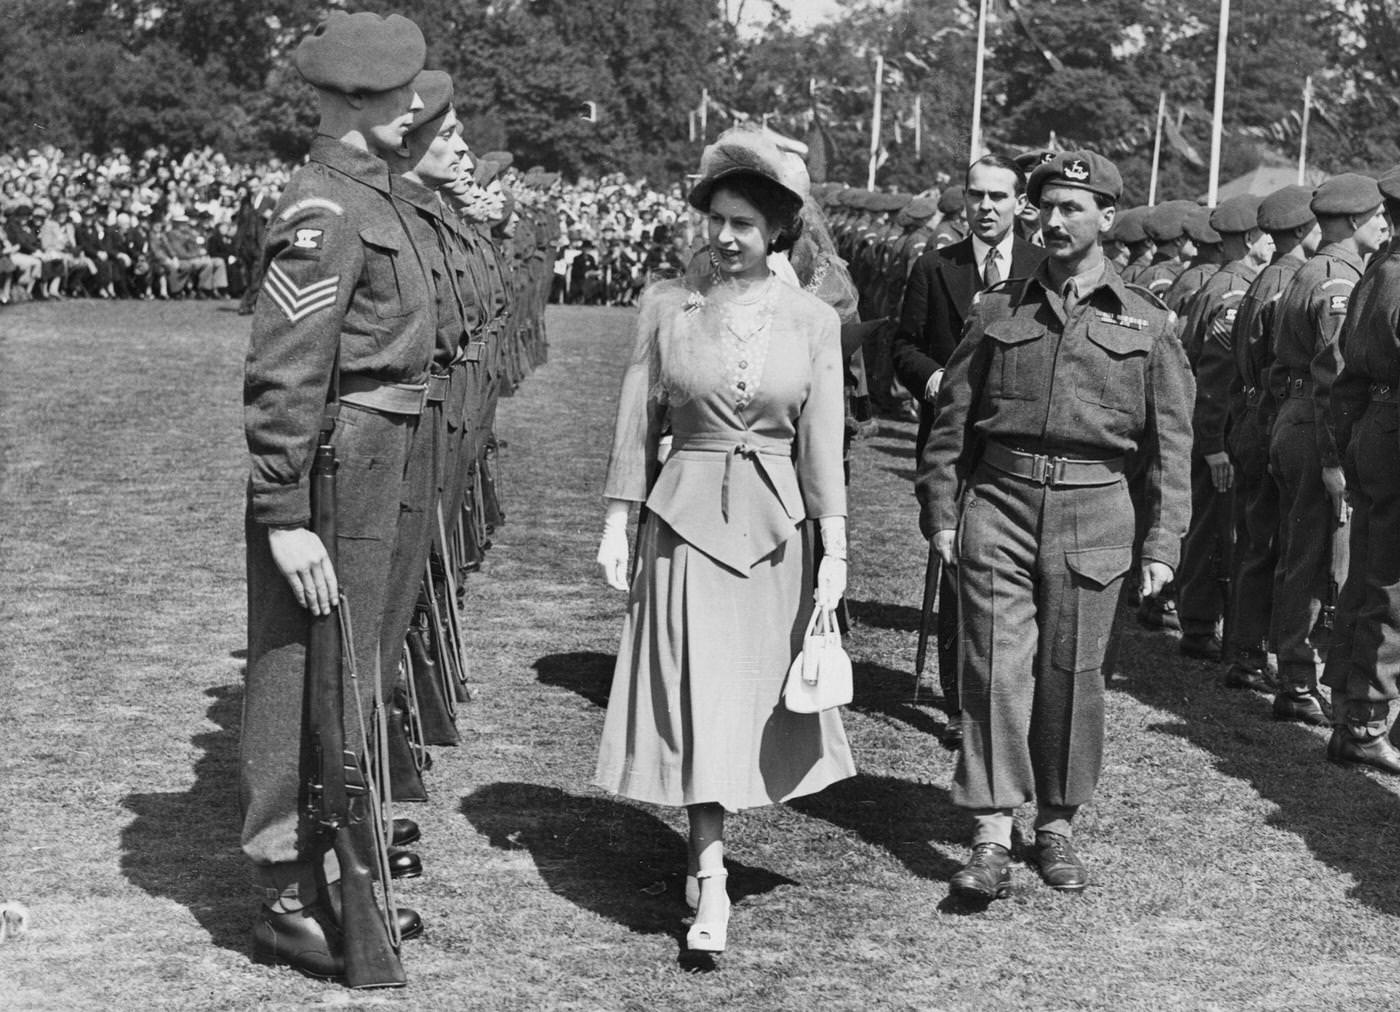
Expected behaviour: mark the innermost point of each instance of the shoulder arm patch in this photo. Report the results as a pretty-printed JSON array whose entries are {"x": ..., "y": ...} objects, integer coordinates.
[{"x": 310, "y": 203}]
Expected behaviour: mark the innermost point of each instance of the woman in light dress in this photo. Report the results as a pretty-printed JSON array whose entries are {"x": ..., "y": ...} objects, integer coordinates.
[{"x": 745, "y": 369}]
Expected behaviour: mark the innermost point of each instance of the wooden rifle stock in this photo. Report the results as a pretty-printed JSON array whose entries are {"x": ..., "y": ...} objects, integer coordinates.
[
  {"x": 1225, "y": 560},
  {"x": 340, "y": 794},
  {"x": 933, "y": 572},
  {"x": 1336, "y": 567}
]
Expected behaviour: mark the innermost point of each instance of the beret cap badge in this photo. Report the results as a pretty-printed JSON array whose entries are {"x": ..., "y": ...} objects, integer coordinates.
[{"x": 1077, "y": 171}]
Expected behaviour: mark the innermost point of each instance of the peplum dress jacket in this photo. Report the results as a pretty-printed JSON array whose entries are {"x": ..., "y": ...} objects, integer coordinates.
[{"x": 722, "y": 587}]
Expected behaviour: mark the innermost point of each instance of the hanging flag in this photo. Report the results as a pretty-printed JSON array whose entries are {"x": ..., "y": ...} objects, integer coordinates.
[
  {"x": 1180, "y": 144},
  {"x": 821, "y": 150}
]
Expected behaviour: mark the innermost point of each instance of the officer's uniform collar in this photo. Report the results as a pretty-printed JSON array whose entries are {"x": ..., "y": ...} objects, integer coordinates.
[
  {"x": 413, "y": 192},
  {"x": 1107, "y": 280},
  {"x": 361, "y": 165},
  {"x": 1339, "y": 252}
]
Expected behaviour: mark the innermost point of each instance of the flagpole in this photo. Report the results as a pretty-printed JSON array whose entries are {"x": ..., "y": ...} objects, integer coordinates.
[
  {"x": 918, "y": 128},
  {"x": 1219, "y": 112},
  {"x": 1303, "y": 140},
  {"x": 975, "y": 147},
  {"x": 1157, "y": 149},
  {"x": 704, "y": 115},
  {"x": 875, "y": 120}
]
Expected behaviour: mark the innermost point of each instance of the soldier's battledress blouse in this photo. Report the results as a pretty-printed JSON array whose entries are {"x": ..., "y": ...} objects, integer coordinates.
[{"x": 749, "y": 379}]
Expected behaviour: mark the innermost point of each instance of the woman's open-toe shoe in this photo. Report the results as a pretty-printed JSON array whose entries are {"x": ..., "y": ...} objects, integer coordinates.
[{"x": 711, "y": 935}]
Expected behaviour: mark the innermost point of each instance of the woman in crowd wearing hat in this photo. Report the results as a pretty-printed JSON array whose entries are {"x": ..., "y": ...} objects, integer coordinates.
[{"x": 747, "y": 371}]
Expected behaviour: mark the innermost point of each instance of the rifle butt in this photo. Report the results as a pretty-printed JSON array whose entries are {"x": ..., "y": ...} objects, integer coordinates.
[{"x": 371, "y": 959}]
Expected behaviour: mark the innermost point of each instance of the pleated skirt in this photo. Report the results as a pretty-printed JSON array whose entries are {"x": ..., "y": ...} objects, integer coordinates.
[{"x": 696, "y": 715}]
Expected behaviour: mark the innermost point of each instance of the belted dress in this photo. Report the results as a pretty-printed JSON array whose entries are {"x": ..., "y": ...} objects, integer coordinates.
[{"x": 750, "y": 386}]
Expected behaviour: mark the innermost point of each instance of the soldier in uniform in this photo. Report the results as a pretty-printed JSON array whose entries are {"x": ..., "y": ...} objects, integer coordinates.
[
  {"x": 1287, "y": 217},
  {"x": 1206, "y": 261},
  {"x": 1206, "y": 336},
  {"x": 943, "y": 286},
  {"x": 346, "y": 317},
  {"x": 1363, "y": 659},
  {"x": 1021, "y": 485},
  {"x": 1302, "y": 452},
  {"x": 952, "y": 225},
  {"x": 1166, "y": 227},
  {"x": 1130, "y": 232}
]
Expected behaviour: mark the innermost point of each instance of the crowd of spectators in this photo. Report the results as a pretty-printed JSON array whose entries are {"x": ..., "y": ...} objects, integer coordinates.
[
  {"x": 615, "y": 234},
  {"x": 157, "y": 226}
]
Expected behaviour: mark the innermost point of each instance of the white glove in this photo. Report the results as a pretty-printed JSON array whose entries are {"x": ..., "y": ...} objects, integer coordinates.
[
  {"x": 831, "y": 572},
  {"x": 831, "y": 582},
  {"x": 612, "y": 549}
]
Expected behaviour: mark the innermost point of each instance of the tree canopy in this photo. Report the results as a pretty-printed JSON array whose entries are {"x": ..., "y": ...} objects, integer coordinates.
[{"x": 99, "y": 74}]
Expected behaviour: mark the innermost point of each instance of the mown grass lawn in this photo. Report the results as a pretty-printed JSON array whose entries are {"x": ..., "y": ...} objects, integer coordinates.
[{"x": 1233, "y": 867}]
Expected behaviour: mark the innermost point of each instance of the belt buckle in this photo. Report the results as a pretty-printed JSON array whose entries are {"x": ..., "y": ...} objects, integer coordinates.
[{"x": 1046, "y": 470}]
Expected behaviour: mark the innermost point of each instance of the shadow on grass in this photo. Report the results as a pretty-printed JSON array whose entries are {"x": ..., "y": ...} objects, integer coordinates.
[
  {"x": 890, "y": 693},
  {"x": 883, "y": 615},
  {"x": 1345, "y": 818},
  {"x": 602, "y": 855},
  {"x": 184, "y": 845},
  {"x": 586, "y": 672},
  {"x": 902, "y": 473},
  {"x": 897, "y": 815}
]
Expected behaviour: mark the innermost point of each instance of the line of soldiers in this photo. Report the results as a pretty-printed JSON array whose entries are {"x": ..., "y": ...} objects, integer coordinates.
[
  {"x": 1291, "y": 333},
  {"x": 403, "y": 295}
]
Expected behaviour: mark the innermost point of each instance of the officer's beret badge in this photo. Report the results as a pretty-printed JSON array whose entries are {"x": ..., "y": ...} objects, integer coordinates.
[{"x": 1077, "y": 170}]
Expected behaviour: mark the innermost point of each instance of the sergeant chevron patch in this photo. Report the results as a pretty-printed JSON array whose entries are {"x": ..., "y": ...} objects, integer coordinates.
[{"x": 299, "y": 301}]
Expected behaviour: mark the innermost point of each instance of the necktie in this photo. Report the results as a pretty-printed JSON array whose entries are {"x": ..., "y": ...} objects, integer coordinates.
[{"x": 991, "y": 274}]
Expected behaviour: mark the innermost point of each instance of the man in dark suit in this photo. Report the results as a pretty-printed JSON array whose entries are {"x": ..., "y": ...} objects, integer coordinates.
[{"x": 940, "y": 293}]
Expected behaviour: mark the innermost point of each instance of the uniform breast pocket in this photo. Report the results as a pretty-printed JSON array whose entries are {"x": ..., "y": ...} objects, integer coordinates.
[
  {"x": 388, "y": 262},
  {"x": 1114, "y": 371},
  {"x": 1015, "y": 361}
]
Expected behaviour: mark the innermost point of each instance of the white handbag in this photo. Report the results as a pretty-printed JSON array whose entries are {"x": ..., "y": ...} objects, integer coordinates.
[{"x": 819, "y": 677}]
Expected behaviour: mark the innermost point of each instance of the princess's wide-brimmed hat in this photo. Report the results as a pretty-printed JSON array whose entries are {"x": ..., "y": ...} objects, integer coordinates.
[{"x": 746, "y": 152}]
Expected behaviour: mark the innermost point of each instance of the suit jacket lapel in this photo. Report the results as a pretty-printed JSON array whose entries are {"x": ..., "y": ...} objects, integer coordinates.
[{"x": 960, "y": 278}]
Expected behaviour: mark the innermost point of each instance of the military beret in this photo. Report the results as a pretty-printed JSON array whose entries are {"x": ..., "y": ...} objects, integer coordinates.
[
  {"x": 1029, "y": 161},
  {"x": 1082, "y": 170},
  {"x": 1389, "y": 183},
  {"x": 502, "y": 158},
  {"x": 1129, "y": 225},
  {"x": 1166, "y": 222},
  {"x": 920, "y": 209},
  {"x": 1198, "y": 227},
  {"x": 1348, "y": 193},
  {"x": 1236, "y": 214},
  {"x": 897, "y": 201},
  {"x": 1286, "y": 208},
  {"x": 485, "y": 170},
  {"x": 434, "y": 87},
  {"x": 364, "y": 52},
  {"x": 951, "y": 199}
]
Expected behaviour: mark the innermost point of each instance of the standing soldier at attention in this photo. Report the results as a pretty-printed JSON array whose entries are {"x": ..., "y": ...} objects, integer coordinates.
[
  {"x": 1302, "y": 453},
  {"x": 1204, "y": 263},
  {"x": 1286, "y": 216},
  {"x": 1166, "y": 227},
  {"x": 1130, "y": 232},
  {"x": 1022, "y": 488},
  {"x": 1363, "y": 660},
  {"x": 1207, "y": 337},
  {"x": 346, "y": 315}
]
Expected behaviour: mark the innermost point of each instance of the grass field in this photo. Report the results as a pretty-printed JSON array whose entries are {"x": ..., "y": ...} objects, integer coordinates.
[{"x": 1233, "y": 868}]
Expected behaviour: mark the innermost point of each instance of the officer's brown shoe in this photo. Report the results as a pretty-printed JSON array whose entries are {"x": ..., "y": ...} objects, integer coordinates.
[
  {"x": 404, "y": 863},
  {"x": 1378, "y": 752},
  {"x": 405, "y": 832},
  {"x": 952, "y": 737},
  {"x": 987, "y": 876},
  {"x": 306, "y": 940},
  {"x": 1242, "y": 676},
  {"x": 1202, "y": 646},
  {"x": 1302, "y": 707},
  {"x": 1059, "y": 865}
]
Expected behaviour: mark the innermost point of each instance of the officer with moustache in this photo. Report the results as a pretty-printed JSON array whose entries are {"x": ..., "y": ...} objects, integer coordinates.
[
  {"x": 1022, "y": 486},
  {"x": 943, "y": 285},
  {"x": 346, "y": 315}
]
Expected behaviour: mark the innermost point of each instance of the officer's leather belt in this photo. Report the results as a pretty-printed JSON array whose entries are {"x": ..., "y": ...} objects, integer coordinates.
[
  {"x": 377, "y": 395},
  {"x": 1053, "y": 472},
  {"x": 1298, "y": 386},
  {"x": 1384, "y": 393}
]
